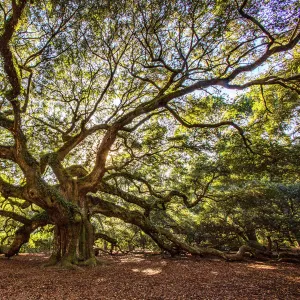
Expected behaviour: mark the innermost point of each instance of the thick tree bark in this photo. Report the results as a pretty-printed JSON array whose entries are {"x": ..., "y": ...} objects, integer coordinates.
[
  {"x": 64, "y": 245},
  {"x": 73, "y": 237},
  {"x": 254, "y": 248},
  {"x": 73, "y": 245},
  {"x": 73, "y": 232}
]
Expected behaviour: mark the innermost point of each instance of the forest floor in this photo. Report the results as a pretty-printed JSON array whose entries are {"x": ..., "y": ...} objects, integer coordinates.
[{"x": 149, "y": 277}]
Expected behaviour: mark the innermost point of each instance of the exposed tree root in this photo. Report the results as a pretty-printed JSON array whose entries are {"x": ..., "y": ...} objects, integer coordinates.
[
  {"x": 75, "y": 265},
  {"x": 259, "y": 252},
  {"x": 52, "y": 261},
  {"x": 239, "y": 256},
  {"x": 68, "y": 266},
  {"x": 91, "y": 262},
  {"x": 63, "y": 264},
  {"x": 103, "y": 262}
]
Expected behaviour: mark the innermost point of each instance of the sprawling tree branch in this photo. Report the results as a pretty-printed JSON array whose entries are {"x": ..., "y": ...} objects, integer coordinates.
[
  {"x": 162, "y": 197},
  {"x": 256, "y": 22},
  {"x": 130, "y": 198},
  {"x": 216, "y": 125},
  {"x": 134, "y": 217},
  {"x": 10, "y": 66},
  {"x": 103, "y": 236},
  {"x": 22, "y": 234}
]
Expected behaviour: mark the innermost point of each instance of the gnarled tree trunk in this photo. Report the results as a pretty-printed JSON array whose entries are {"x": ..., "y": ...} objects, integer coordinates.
[
  {"x": 73, "y": 233},
  {"x": 73, "y": 244}
]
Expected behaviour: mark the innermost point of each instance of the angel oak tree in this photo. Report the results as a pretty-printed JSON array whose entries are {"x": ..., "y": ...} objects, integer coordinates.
[{"x": 91, "y": 89}]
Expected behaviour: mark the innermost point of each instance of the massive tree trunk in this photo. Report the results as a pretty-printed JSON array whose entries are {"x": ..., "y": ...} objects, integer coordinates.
[
  {"x": 73, "y": 244},
  {"x": 73, "y": 233}
]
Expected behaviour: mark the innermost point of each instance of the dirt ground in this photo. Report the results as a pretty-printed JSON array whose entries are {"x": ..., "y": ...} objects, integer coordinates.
[{"x": 149, "y": 277}]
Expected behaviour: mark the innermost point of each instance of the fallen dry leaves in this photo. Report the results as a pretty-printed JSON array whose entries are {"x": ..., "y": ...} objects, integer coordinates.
[{"x": 152, "y": 277}]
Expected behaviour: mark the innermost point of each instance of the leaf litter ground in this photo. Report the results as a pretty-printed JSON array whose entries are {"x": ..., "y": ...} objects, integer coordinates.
[{"x": 149, "y": 277}]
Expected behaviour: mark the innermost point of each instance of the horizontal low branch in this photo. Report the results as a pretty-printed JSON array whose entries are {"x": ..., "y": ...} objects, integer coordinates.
[
  {"x": 15, "y": 216},
  {"x": 103, "y": 236},
  {"x": 134, "y": 217},
  {"x": 22, "y": 234},
  {"x": 14, "y": 191}
]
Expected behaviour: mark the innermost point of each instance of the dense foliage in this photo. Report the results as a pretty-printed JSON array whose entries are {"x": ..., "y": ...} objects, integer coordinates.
[{"x": 179, "y": 118}]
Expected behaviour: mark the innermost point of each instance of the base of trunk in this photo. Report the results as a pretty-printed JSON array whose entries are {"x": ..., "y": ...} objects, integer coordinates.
[
  {"x": 73, "y": 246},
  {"x": 66, "y": 264}
]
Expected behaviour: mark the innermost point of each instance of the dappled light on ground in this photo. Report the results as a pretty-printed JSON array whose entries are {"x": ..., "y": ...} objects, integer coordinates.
[
  {"x": 294, "y": 279},
  {"x": 148, "y": 277},
  {"x": 148, "y": 271},
  {"x": 130, "y": 259},
  {"x": 262, "y": 266}
]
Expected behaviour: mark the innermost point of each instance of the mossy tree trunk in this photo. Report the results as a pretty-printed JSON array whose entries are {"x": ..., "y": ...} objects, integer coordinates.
[
  {"x": 73, "y": 244},
  {"x": 73, "y": 235},
  {"x": 64, "y": 244}
]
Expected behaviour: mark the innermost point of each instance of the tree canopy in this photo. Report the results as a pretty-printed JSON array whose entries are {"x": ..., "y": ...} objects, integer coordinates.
[{"x": 178, "y": 117}]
